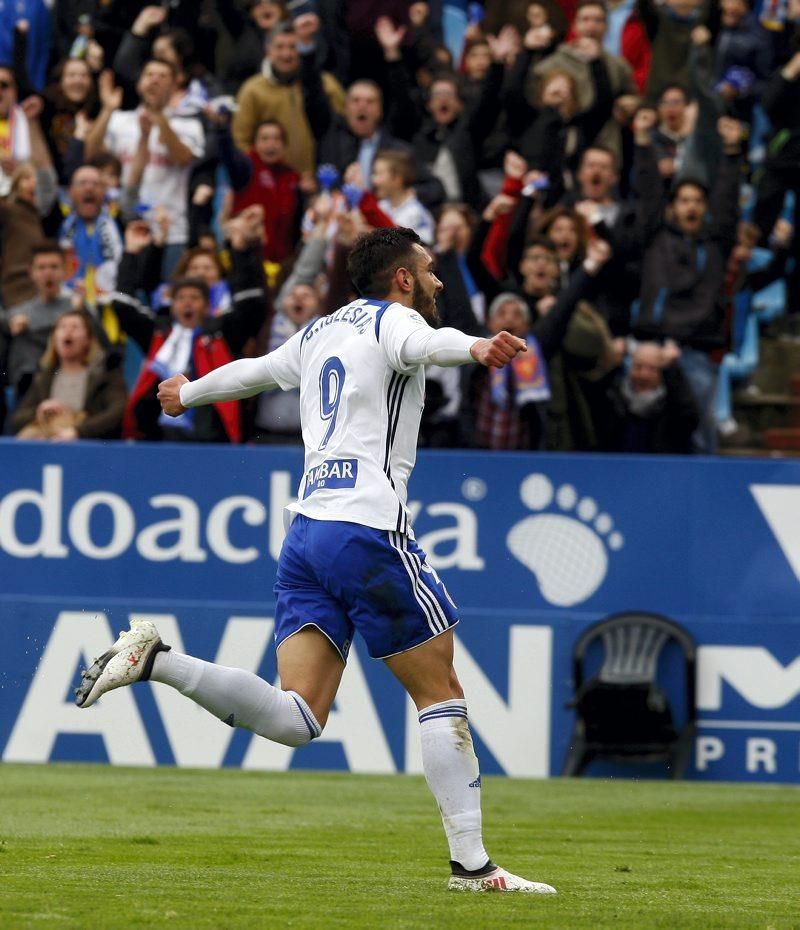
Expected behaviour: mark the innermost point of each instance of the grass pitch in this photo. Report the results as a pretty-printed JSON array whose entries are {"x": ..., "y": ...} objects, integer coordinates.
[{"x": 106, "y": 848}]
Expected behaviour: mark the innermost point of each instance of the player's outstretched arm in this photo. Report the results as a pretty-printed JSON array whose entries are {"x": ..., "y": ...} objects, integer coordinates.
[
  {"x": 497, "y": 351},
  {"x": 242, "y": 378},
  {"x": 448, "y": 347}
]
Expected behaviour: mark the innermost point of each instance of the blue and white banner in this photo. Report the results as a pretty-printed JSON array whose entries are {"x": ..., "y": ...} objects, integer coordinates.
[{"x": 532, "y": 547}]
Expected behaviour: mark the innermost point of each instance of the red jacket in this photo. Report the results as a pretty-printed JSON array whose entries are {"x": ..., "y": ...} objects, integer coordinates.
[
  {"x": 274, "y": 187},
  {"x": 636, "y": 50},
  {"x": 209, "y": 351}
]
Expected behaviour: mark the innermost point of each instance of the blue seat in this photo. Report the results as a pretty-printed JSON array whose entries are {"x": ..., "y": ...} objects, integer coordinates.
[{"x": 749, "y": 312}]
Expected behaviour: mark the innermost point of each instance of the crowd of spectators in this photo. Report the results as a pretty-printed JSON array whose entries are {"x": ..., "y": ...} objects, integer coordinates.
[{"x": 181, "y": 184}]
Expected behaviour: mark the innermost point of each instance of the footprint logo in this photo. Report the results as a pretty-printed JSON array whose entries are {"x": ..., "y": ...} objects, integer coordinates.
[{"x": 567, "y": 552}]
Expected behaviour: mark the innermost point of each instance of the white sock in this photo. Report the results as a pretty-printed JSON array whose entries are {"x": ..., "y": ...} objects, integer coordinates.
[
  {"x": 239, "y": 698},
  {"x": 451, "y": 770}
]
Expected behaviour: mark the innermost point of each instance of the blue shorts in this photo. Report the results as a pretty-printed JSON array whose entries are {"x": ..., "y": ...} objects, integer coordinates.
[{"x": 341, "y": 577}]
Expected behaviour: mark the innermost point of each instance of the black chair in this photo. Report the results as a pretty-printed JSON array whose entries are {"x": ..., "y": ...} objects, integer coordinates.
[{"x": 622, "y": 714}]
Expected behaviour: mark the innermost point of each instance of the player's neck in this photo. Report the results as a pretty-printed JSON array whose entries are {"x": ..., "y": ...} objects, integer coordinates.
[{"x": 396, "y": 296}]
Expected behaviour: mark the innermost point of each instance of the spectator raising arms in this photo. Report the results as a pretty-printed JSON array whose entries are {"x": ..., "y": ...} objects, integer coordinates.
[
  {"x": 244, "y": 33},
  {"x": 575, "y": 58},
  {"x": 684, "y": 262},
  {"x": 262, "y": 177},
  {"x": 654, "y": 409},
  {"x": 191, "y": 340},
  {"x": 526, "y": 139},
  {"x": 277, "y": 94},
  {"x": 509, "y": 405},
  {"x": 172, "y": 144}
]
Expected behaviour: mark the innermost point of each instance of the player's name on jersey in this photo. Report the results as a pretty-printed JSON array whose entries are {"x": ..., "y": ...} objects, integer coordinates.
[{"x": 357, "y": 314}]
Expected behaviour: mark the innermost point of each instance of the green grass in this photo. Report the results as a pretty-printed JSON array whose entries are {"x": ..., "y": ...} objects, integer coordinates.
[{"x": 105, "y": 848}]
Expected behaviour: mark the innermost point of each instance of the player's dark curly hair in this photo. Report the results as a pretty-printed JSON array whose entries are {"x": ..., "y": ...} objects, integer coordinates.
[{"x": 377, "y": 255}]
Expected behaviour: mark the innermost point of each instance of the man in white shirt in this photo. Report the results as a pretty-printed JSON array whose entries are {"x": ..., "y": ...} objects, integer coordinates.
[
  {"x": 173, "y": 143},
  {"x": 349, "y": 561}
]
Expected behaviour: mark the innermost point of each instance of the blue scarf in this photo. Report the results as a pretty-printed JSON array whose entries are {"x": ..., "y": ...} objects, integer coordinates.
[
  {"x": 91, "y": 243},
  {"x": 176, "y": 356},
  {"x": 523, "y": 381}
]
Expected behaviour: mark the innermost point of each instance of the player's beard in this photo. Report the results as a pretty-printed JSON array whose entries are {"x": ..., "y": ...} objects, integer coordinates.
[{"x": 424, "y": 304}]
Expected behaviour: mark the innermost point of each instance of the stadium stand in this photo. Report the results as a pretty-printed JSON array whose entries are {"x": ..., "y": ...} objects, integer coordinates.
[{"x": 528, "y": 130}]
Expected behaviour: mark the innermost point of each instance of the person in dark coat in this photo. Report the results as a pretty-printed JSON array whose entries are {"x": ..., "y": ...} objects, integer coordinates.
[
  {"x": 511, "y": 411},
  {"x": 357, "y": 135},
  {"x": 653, "y": 407},
  {"x": 742, "y": 58},
  {"x": 781, "y": 101},
  {"x": 245, "y": 28},
  {"x": 461, "y": 304},
  {"x": 553, "y": 135},
  {"x": 448, "y": 136},
  {"x": 684, "y": 261}
]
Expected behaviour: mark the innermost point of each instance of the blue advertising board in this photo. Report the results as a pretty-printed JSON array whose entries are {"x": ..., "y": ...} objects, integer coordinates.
[{"x": 533, "y": 548}]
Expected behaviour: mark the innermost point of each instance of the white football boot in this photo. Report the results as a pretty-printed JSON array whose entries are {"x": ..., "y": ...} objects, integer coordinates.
[
  {"x": 495, "y": 879},
  {"x": 130, "y": 659}
]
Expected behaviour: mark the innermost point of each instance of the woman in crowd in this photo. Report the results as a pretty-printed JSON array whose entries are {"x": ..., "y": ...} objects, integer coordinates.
[
  {"x": 568, "y": 232},
  {"x": 73, "y": 92},
  {"x": 78, "y": 392},
  {"x": 552, "y": 135}
]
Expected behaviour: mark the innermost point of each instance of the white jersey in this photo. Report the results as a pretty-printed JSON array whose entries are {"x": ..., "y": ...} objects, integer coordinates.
[
  {"x": 164, "y": 183},
  {"x": 361, "y": 374},
  {"x": 360, "y": 409}
]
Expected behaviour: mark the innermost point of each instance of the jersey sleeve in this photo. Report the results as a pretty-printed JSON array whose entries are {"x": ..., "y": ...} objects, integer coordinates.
[
  {"x": 396, "y": 324},
  {"x": 445, "y": 347},
  {"x": 285, "y": 362},
  {"x": 246, "y": 377}
]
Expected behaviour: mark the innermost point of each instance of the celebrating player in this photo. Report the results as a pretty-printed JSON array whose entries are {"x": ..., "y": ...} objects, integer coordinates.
[{"x": 349, "y": 561}]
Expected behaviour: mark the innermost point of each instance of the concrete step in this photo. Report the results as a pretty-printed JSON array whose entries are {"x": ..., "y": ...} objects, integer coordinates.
[
  {"x": 754, "y": 452},
  {"x": 756, "y": 412},
  {"x": 784, "y": 440},
  {"x": 770, "y": 399},
  {"x": 779, "y": 363},
  {"x": 751, "y": 397}
]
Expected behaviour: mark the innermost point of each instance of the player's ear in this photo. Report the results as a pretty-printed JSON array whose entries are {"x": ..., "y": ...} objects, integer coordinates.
[{"x": 404, "y": 279}]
